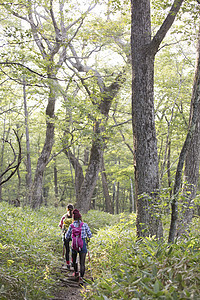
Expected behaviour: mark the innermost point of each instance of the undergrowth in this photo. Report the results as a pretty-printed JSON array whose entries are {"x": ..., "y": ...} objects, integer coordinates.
[
  {"x": 28, "y": 244},
  {"x": 126, "y": 268},
  {"x": 122, "y": 266},
  {"x": 31, "y": 248}
]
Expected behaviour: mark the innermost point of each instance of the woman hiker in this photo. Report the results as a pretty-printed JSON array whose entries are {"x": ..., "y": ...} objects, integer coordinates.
[
  {"x": 85, "y": 233},
  {"x": 65, "y": 221}
]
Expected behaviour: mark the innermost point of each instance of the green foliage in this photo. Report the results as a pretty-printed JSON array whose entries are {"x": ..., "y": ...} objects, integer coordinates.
[
  {"x": 28, "y": 244},
  {"x": 127, "y": 268},
  {"x": 173, "y": 81},
  {"x": 31, "y": 248},
  {"x": 122, "y": 266},
  {"x": 99, "y": 219}
]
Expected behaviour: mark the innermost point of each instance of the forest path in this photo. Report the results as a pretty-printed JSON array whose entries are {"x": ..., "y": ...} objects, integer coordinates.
[{"x": 67, "y": 287}]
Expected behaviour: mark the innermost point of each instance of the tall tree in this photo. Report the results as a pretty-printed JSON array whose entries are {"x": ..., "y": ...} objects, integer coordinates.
[
  {"x": 52, "y": 37},
  {"x": 108, "y": 203},
  {"x": 191, "y": 172},
  {"x": 144, "y": 49},
  {"x": 4, "y": 139},
  {"x": 101, "y": 97},
  {"x": 28, "y": 155},
  {"x": 54, "y": 33},
  {"x": 86, "y": 184}
]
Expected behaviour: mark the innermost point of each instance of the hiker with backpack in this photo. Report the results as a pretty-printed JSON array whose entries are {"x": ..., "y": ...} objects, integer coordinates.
[
  {"x": 65, "y": 221},
  {"x": 79, "y": 232}
]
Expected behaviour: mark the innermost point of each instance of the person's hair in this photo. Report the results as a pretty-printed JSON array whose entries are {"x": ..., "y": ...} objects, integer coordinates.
[
  {"x": 70, "y": 208},
  {"x": 76, "y": 215}
]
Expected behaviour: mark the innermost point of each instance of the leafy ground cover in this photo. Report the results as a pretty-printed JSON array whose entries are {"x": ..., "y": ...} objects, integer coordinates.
[
  {"x": 122, "y": 267},
  {"x": 28, "y": 244},
  {"x": 126, "y": 268},
  {"x": 31, "y": 249}
]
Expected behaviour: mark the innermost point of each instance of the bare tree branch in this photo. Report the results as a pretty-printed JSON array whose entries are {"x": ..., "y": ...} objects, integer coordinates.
[
  {"x": 82, "y": 68},
  {"x": 22, "y": 65},
  {"x": 35, "y": 32},
  {"x": 18, "y": 158},
  {"x": 122, "y": 135}
]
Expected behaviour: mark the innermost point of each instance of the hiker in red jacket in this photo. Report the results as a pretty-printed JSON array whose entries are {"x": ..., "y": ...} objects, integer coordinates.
[{"x": 85, "y": 233}]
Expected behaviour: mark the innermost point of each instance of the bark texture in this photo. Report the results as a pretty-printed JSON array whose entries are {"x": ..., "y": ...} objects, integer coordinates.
[
  {"x": 48, "y": 50},
  {"x": 79, "y": 177},
  {"x": 108, "y": 202},
  {"x": 28, "y": 156},
  {"x": 86, "y": 184},
  {"x": 145, "y": 143},
  {"x": 91, "y": 175},
  {"x": 36, "y": 198},
  {"x": 191, "y": 172},
  {"x": 193, "y": 126}
]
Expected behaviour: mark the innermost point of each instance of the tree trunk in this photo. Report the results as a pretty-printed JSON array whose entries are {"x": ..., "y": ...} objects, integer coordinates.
[
  {"x": 19, "y": 186},
  {"x": 49, "y": 49},
  {"x": 55, "y": 180},
  {"x": 132, "y": 202},
  {"x": 187, "y": 143},
  {"x": 145, "y": 143},
  {"x": 113, "y": 197},
  {"x": 106, "y": 94},
  {"x": 79, "y": 177},
  {"x": 168, "y": 167},
  {"x": 86, "y": 156},
  {"x": 36, "y": 198},
  {"x": 92, "y": 172},
  {"x": 191, "y": 173},
  {"x": 107, "y": 197},
  {"x": 117, "y": 199},
  {"x": 5, "y": 137},
  {"x": 144, "y": 50},
  {"x": 28, "y": 157}
]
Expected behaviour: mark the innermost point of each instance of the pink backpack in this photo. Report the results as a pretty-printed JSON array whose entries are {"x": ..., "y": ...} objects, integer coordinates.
[{"x": 77, "y": 242}]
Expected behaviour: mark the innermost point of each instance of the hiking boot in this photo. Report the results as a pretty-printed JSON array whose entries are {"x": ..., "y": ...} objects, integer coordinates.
[
  {"x": 80, "y": 281},
  {"x": 76, "y": 274},
  {"x": 68, "y": 267}
]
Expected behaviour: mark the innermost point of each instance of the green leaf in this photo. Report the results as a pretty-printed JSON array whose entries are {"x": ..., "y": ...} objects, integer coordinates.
[{"x": 156, "y": 287}]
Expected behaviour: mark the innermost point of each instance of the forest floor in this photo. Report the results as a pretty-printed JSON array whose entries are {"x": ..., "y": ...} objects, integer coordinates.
[{"x": 68, "y": 287}]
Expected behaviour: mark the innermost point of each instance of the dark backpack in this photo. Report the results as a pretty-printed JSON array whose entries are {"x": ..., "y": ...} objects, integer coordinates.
[{"x": 77, "y": 242}]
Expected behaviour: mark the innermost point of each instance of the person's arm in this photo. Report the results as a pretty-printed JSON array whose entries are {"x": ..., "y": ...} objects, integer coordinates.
[
  {"x": 61, "y": 221},
  {"x": 88, "y": 231}
]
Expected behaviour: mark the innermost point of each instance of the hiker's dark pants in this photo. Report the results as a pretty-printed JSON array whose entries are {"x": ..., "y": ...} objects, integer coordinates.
[
  {"x": 66, "y": 243},
  {"x": 82, "y": 257}
]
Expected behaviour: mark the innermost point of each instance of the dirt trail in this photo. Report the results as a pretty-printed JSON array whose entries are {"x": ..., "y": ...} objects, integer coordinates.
[{"x": 68, "y": 287}]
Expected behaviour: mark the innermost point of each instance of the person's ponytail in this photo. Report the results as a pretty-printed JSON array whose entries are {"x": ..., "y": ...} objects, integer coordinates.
[{"x": 70, "y": 209}]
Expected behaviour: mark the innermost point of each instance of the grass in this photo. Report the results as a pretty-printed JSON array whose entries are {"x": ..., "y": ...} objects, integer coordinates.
[
  {"x": 28, "y": 246},
  {"x": 122, "y": 266},
  {"x": 31, "y": 248},
  {"x": 125, "y": 268}
]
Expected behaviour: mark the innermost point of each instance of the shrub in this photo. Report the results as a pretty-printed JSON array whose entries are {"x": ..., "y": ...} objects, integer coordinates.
[
  {"x": 126, "y": 268},
  {"x": 27, "y": 246},
  {"x": 31, "y": 248}
]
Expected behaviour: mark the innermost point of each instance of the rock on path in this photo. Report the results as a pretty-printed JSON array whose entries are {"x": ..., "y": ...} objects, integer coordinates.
[{"x": 68, "y": 287}]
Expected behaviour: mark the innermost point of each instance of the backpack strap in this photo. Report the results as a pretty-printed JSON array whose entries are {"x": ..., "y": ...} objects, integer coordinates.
[
  {"x": 80, "y": 226},
  {"x": 72, "y": 225}
]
